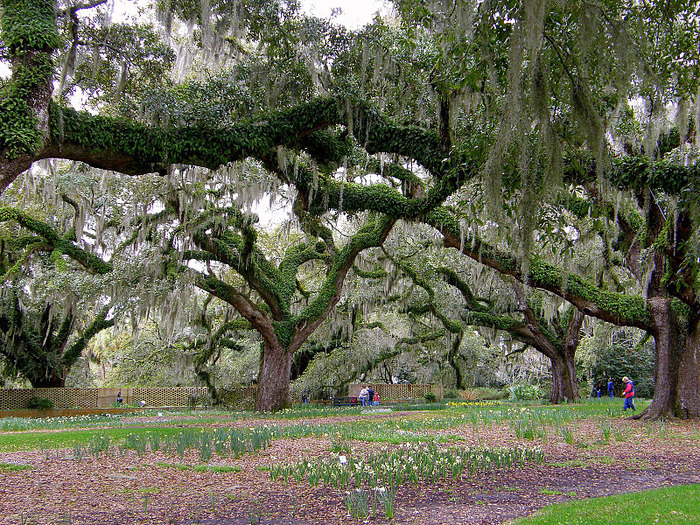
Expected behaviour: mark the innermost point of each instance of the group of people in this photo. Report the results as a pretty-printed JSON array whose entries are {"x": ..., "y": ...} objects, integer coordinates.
[
  {"x": 368, "y": 396},
  {"x": 628, "y": 392}
]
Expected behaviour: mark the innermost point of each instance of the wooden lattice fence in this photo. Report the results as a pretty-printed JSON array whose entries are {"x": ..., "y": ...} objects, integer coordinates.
[
  {"x": 240, "y": 398},
  {"x": 67, "y": 398},
  {"x": 18, "y": 399}
]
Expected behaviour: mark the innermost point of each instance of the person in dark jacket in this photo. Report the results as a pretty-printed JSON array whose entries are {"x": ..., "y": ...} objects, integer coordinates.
[{"x": 611, "y": 388}]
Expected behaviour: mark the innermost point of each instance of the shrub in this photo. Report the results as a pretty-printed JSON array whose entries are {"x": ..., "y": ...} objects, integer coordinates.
[
  {"x": 39, "y": 403},
  {"x": 469, "y": 394},
  {"x": 451, "y": 394},
  {"x": 430, "y": 397},
  {"x": 198, "y": 400},
  {"x": 235, "y": 398},
  {"x": 523, "y": 391},
  {"x": 488, "y": 394}
]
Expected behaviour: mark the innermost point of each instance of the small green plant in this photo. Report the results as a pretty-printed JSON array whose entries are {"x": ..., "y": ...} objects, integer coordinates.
[
  {"x": 549, "y": 492},
  {"x": 567, "y": 434},
  {"x": 430, "y": 397},
  {"x": 14, "y": 467},
  {"x": 386, "y": 499},
  {"x": 78, "y": 452},
  {"x": 39, "y": 403},
  {"x": 255, "y": 516},
  {"x": 26, "y": 519},
  {"x": 523, "y": 392},
  {"x": 620, "y": 434},
  {"x": 340, "y": 442},
  {"x": 358, "y": 503},
  {"x": 99, "y": 443},
  {"x": 605, "y": 430}
]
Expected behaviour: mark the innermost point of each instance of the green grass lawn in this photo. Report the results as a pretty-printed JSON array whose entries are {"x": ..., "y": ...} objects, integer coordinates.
[
  {"x": 673, "y": 506},
  {"x": 49, "y": 440}
]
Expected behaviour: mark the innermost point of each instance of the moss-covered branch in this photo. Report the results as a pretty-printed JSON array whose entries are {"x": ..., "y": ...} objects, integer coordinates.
[
  {"x": 30, "y": 36},
  {"x": 76, "y": 349},
  {"x": 57, "y": 244},
  {"x": 616, "y": 308},
  {"x": 368, "y": 236},
  {"x": 431, "y": 305}
]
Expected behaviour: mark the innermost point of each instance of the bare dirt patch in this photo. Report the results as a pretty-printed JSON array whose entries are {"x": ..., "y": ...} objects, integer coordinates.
[{"x": 152, "y": 490}]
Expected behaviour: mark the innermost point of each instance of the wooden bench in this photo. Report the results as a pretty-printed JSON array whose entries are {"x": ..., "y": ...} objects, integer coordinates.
[{"x": 347, "y": 401}]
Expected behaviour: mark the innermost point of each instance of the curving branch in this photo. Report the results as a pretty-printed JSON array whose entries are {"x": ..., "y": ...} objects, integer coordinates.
[
  {"x": 613, "y": 307},
  {"x": 52, "y": 242}
]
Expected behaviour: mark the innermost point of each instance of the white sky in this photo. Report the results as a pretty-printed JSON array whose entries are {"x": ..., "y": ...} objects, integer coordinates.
[{"x": 354, "y": 14}]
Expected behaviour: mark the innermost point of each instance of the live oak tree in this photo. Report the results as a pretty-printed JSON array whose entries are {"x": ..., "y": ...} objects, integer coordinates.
[
  {"x": 512, "y": 86},
  {"x": 60, "y": 289},
  {"x": 43, "y": 345},
  {"x": 454, "y": 298},
  {"x": 50, "y": 307},
  {"x": 229, "y": 238}
]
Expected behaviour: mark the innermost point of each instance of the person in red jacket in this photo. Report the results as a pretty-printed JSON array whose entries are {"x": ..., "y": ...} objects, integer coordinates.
[{"x": 628, "y": 394}]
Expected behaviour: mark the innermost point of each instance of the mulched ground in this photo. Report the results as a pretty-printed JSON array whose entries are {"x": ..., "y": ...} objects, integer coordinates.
[{"x": 120, "y": 490}]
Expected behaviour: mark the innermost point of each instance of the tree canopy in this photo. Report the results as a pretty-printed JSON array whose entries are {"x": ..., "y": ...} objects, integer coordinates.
[{"x": 498, "y": 124}]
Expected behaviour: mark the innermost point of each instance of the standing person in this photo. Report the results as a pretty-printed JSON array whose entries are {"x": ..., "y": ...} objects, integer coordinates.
[
  {"x": 628, "y": 394},
  {"x": 611, "y": 388},
  {"x": 376, "y": 399},
  {"x": 363, "y": 396},
  {"x": 370, "y": 395}
]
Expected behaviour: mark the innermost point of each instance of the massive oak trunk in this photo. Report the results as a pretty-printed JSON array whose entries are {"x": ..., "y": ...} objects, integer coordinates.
[
  {"x": 688, "y": 402},
  {"x": 273, "y": 381},
  {"x": 669, "y": 347},
  {"x": 564, "y": 382}
]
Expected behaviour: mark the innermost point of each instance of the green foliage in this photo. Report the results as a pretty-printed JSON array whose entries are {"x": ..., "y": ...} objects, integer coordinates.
[
  {"x": 18, "y": 127},
  {"x": 410, "y": 463},
  {"x": 29, "y": 34},
  {"x": 120, "y": 70},
  {"x": 451, "y": 394},
  {"x": 486, "y": 394},
  {"x": 523, "y": 392},
  {"x": 60, "y": 244},
  {"x": 35, "y": 342},
  {"x": 39, "y": 403},
  {"x": 639, "y": 172},
  {"x": 14, "y": 467},
  {"x": 29, "y": 24},
  {"x": 430, "y": 397},
  {"x": 620, "y": 360},
  {"x": 626, "y": 309}
]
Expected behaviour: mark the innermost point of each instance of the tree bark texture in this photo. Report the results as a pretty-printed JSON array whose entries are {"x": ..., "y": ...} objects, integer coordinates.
[
  {"x": 564, "y": 382},
  {"x": 688, "y": 402},
  {"x": 669, "y": 344},
  {"x": 273, "y": 380}
]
